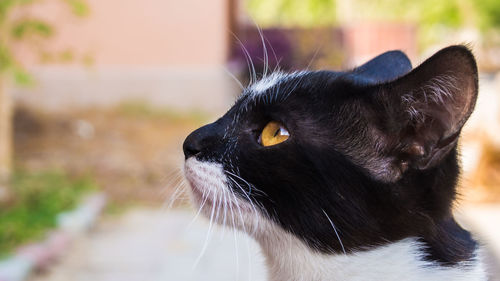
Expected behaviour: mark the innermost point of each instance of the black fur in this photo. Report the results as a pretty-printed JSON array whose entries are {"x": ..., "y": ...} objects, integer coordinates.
[{"x": 370, "y": 147}]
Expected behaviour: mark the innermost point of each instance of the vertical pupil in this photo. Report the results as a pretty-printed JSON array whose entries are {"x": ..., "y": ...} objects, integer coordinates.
[{"x": 277, "y": 131}]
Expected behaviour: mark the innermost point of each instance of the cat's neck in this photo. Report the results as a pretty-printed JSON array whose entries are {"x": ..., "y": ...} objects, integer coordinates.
[{"x": 288, "y": 258}]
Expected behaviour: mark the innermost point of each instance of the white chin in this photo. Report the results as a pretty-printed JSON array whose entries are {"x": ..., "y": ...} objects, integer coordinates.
[{"x": 211, "y": 195}]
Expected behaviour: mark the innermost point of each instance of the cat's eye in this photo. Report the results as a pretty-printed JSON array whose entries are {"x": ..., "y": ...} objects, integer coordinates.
[{"x": 273, "y": 133}]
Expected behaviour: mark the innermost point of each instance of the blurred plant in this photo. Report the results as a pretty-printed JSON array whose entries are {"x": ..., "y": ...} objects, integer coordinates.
[
  {"x": 17, "y": 26},
  {"x": 489, "y": 13},
  {"x": 434, "y": 18},
  {"x": 27, "y": 29},
  {"x": 36, "y": 201},
  {"x": 292, "y": 12},
  {"x": 454, "y": 13}
]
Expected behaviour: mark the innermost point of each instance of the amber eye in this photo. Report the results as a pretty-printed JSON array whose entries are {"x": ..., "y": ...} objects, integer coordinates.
[{"x": 273, "y": 133}]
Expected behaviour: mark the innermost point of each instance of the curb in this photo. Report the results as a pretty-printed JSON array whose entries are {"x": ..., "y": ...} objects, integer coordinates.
[{"x": 38, "y": 256}]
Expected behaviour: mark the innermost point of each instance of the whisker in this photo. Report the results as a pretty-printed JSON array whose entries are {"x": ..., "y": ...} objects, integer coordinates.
[
  {"x": 264, "y": 50},
  {"x": 234, "y": 234},
  {"x": 236, "y": 249},
  {"x": 248, "y": 58},
  {"x": 225, "y": 203},
  {"x": 179, "y": 190},
  {"x": 313, "y": 57},
  {"x": 239, "y": 210},
  {"x": 256, "y": 221},
  {"x": 204, "y": 197},
  {"x": 277, "y": 66},
  {"x": 209, "y": 232},
  {"x": 335, "y": 229},
  {"x": 246, "y": 195},
  {"x": 254, "y": 209},
  {"x": 173, "y": 177},
  {"x": 217, "y": 206},
  {"x": 249, "y": 185},
  {"x": 234, "y": 78}
]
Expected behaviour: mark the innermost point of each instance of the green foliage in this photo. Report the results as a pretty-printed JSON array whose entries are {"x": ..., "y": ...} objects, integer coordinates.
[
  {"x": 66, "y": 56},
  {"x": 23, "y": 29},
  {"x": 79, "y": 7},
  {"x": 448, "y": 13},
  {"x": 21, "y": 76},
  {"x": 5, "y": 58},
  {"x": 37, "y": 199},
  {"x": 7, "y": 63},
  {"x": 424, "y": 12},
  {"x": 293, "y": 12},
  {"x": 27, "y": 27},
  {"x": 489, "y": 11},
  {"x": 7, "y": 5},
  {"x": 434, "y": 19}
]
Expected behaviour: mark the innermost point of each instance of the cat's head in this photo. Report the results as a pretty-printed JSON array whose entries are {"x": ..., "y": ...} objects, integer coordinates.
[{"x": 370, "y": 152}]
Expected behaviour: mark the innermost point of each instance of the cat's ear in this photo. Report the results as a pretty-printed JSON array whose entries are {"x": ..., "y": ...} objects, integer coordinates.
[
  {"x": 385, "y": 67},
  {"x": 423, "y": 112}
]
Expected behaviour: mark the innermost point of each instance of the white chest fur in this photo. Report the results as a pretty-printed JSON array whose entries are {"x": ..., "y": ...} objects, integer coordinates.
[{"x": 289, "y": 259}]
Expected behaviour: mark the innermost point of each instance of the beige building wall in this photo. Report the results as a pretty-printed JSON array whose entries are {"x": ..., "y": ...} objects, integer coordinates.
[
  {"x": 140, "y": 32},
  {"x": 158, "y": 50}
]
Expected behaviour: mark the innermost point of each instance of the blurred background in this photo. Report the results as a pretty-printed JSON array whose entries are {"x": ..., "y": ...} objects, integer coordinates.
[{"x": 96, "y": 97}]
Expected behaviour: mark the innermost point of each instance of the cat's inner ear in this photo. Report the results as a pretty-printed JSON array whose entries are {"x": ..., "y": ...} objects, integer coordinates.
[
  {"x": 420, "y": 115},
  {"x": 383, "y": 68}
]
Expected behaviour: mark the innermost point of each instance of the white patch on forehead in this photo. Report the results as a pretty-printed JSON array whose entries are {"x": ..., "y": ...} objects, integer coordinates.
[
  {"x": 265, "y": 83},
  {"x": 271, "y": 80}
]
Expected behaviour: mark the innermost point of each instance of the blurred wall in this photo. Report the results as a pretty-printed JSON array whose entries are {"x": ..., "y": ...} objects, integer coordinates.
[
  {"x": 141, "y": 32},
  {"x": 166, "y": 51},
  {"x": 365, "y": 40}
]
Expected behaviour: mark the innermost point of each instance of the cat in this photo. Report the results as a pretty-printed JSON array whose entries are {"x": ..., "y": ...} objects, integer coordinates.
[{"x": 345, "y": 175}]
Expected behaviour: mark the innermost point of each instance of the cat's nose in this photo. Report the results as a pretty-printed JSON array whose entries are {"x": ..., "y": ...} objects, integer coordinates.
[{"x": 200, "y": 140}]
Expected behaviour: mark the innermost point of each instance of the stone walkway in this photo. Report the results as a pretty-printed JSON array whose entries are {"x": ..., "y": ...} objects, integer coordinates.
[{"x": 155, "y": 245}]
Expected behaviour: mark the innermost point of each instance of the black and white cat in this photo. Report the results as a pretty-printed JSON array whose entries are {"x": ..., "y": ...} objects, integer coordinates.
[{"x": 345, "y": 175}]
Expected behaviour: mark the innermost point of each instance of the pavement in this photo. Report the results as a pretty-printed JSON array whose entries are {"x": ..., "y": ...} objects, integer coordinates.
[{"x": 153, "y": 245}]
